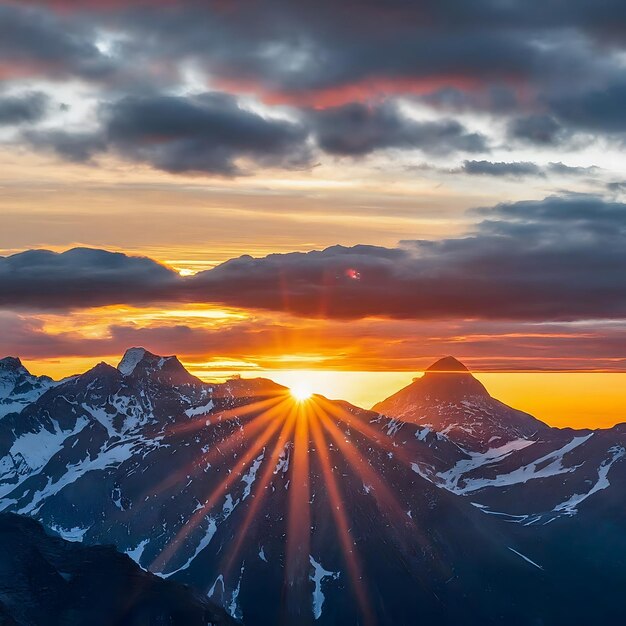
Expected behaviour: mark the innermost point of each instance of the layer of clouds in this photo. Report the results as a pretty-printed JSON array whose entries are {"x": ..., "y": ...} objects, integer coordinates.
[
  {"x": 211, "y": 133},
  {"x": 561, "y": 258},
  {"x": 368, "y": 346},
  {"x": 547, "y": 73}
]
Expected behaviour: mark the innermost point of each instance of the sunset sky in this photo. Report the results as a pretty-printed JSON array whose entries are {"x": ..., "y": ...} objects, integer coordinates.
[{"x": 338, "y": 191}]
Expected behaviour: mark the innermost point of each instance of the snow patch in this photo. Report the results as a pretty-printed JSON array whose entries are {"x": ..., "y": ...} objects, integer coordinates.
[
  {"x": 200, "y": 410},
  {"x": 137, "y": 552},
  {"x": 526, "y": 558},
  {"x": 452, "y": 477},
  {"x": 250, "y": 476},
  {"x": 570, "y": 507},
  {"x": 36, "y": 449},
  {"x": 202, "y": 544},
  {"x": 131, "y": 359},
  {"x": 317, "y": 576},
  {"x": 76, "y": 534}
]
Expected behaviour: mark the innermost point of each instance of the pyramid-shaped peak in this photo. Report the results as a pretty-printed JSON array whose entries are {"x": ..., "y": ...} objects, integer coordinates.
[{"x": 447, "y": 364}]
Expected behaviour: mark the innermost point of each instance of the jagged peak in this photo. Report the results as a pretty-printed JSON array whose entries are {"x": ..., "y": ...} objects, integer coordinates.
[
  {"x": 11, "y": 362},
  {"x": 139, "y": 362},
  {"x": 11, "y": 367},
  {"x": 131, "y": 359},
  {"x": 447, "y": 364},
  {"x": 140, "y": 356}
]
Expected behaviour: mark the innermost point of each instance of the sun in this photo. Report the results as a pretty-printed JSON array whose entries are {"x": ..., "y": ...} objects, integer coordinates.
[{"x": 301, "y": 391}]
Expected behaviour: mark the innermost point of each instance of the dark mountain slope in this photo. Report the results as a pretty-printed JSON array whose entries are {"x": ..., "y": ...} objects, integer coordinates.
[{"x": 46, "y": 581}]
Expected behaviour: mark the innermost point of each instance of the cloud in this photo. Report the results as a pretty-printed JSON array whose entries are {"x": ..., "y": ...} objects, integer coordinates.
[
  {"x": 204, "y": 133},
  {"x": 368, "y": 346},
  {"x": 596, "y": 110},
  {"x": 212, "y": 133},
  {"x": 561, "y": 258},
  {"x": 35, "y": 42},
  {"x": 522, "y": 169},
  {"x": 77, "y": 147},
  {"x": 514, "y": 170},
  {"x": 536, "y": 129},
  {"x": 23, "y": 109},
  {"x": 81, "y": 277},
  {"x": 357, "y": 129},
  {"x": 512, "y": 62}
]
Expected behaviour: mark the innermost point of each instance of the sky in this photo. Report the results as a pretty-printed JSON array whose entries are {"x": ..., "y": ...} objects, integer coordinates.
[{"x": 339, "y": 191}]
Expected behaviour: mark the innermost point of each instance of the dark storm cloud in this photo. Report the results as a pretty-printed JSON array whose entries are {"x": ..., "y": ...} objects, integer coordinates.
[
  {"x": 357, "y": 129},
  {"x": 536, "y": 129},
  {"x": 561, "y": 258},
  {"x": 301, "y": 47},
  {"x": 22, "y": 109},
  {"x": 547, "y": 71},
  {"x": 206, "y": 133},
  {"x": 35, "y": 42},
  {"x": 80, "y": 277},
  {"x": 597, "y": 110},
  {"x": 210, "y": 133}
]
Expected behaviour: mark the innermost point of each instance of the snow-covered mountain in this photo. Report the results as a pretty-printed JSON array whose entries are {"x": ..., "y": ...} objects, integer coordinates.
[
  {"x": 449, "y": 400},
  {"x": 509, "y": 463},
  {"x": 18, "y": 387},
  {"x": 321, "y": 512}
]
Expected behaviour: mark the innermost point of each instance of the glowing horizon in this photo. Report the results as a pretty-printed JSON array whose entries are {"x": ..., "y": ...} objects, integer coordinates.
[{"x": 552, "y": 396}]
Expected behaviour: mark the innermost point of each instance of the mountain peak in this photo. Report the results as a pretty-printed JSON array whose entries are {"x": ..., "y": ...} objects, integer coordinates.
[
  {"x": 140, "y": 362},
  {"x": 12, "y": 363},
  {"x": 447, "y": 364},
  {"x": 450, "y": 400},
  {"x": 132, "y": 357}
]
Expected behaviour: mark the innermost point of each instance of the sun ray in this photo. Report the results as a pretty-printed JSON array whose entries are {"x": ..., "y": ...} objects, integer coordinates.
[
  {"x": 298, "y": 522},
  {"x": 387, "y": 502},
  {"x": 375, "y": 436},
  {"x": 227, "y": 414},
  {"x": 166, "y": 555},
  {"x": 248, "y": 431},
  {"x": 260, "y": 489},
  {"x": 340, "y": 516}
]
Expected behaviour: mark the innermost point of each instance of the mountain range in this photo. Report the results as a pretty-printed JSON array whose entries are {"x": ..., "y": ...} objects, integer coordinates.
[{"x": 441, "y": 505}]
